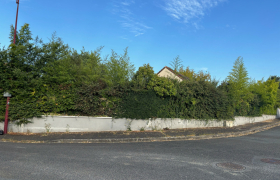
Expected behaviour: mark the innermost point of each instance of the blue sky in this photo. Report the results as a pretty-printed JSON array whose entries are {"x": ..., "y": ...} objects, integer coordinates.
[{"x": 206, "y": 34}]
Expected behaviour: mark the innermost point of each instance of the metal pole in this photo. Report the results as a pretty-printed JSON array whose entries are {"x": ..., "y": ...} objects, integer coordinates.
[
  {"x": 8, "y": 98},
  {"x": 15, "y": 34},
  {"x": 6, "y": 116}
]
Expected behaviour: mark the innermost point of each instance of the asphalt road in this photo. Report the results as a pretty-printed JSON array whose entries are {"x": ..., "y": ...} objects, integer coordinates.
[{"x": 249, "y": 157}]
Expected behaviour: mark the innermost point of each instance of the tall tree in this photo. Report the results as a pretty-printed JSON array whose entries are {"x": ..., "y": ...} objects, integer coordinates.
[
  {"x": 20, "y": 74},
  {"x": 143, "y": 76},
  {"x": 176, "y": 64},
  {"x": 119, "y": 68},
  {"x": 238, "y": 81},
  {"x": 239, "y": 75}
]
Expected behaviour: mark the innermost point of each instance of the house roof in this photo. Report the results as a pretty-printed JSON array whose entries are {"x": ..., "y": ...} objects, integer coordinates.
[{"x": 175, "y": 73}]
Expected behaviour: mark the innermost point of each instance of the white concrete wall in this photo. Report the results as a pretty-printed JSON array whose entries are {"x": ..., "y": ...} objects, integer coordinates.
[
  {"x": 91, "y": 124},
  {"x": 159, "y": 123},
  {"x": 239, "y": 120}
]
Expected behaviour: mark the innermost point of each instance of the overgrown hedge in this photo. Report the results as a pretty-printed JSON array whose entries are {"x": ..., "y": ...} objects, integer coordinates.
[
  {"x": 140, "y": 104},
  {"x": 193, "y": 100},
  {"x": 51, "y": 78}
]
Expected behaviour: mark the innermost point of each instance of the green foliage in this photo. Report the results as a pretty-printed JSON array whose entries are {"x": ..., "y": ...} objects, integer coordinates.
[
  {"x": 198, "y": 100},
  {"x": 163, "y": 86},
  {"x": 143, "y": 76},
  {"x": 44, "y": 78},
  {"x": 75, "y": 68},
  {"x": 238, "y": 83},
  {"x": 176, "y": 64},
  {"x": 193, "y": 100},
  {"x": 119, "y": 68},
  {"x": 20, "y": 77},
  {"x": 197, "y": 76},
  {"x": 239, "y": 74},
  {"x": 238, "y": 79},
  {"x": 97, "y": 99},
  {"x": 267, "y": 93},
  {"x": 249, "y": 98},
  {"x": 276, "y": 78},
  {"x": 50, "y": 77},
  {"x": 141, "y": 104},
  {"x": 278, "y": 99}
]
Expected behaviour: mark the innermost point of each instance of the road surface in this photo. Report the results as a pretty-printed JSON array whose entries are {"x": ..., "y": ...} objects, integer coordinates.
[{"x": 254, "y": 157}]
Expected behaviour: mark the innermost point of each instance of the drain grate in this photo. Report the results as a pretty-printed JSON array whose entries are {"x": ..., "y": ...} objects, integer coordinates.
[
  {"x": 231, "y": 166},
  {"x": 271, "y": 161}
]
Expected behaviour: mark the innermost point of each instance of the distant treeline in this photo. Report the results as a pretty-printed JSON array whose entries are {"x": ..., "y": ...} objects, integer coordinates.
[{"x": 51, "y": 78}]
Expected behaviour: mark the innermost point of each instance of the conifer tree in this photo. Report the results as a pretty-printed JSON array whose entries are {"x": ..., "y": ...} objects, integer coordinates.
[
  {"x": 238, "y": 81},
  {"x": 176, "y": 64}
]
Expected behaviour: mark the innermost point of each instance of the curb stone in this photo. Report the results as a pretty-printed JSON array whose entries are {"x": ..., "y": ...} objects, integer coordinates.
[
  {"x": 180, "y": 138},
  {"x": 154, "y": 139}
]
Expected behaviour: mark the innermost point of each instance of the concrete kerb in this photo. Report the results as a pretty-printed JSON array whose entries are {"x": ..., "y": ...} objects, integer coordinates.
[
  {"x": 180, "y": 138},
  {"x": 154, "y": 139}
]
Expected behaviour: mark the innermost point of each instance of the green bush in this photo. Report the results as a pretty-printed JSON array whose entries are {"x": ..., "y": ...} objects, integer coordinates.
[
  {"x": 194, "y": 100},
  {"x": 199, "y": 100},
  {"x": 142, "y": 104},
  {"x": 46, "y": 78}
]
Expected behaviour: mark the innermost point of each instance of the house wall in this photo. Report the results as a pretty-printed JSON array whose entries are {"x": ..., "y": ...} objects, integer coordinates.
[
  {"x": 93, "y": 124},
  {"x": 166, "y": 73}
]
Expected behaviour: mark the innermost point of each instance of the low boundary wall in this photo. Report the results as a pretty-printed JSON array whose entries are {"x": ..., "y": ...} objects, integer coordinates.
[{"x": 94, "y": 124}]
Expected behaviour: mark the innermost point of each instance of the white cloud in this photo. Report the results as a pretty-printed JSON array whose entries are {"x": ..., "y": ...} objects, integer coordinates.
[
  {"x": 196, "y": 25},
  {"x": 138, "y": 34},
  {"x": 128, "y": 19},
  {"x": 127, "y": 2},
  {"x": 186, "y": 10}
]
